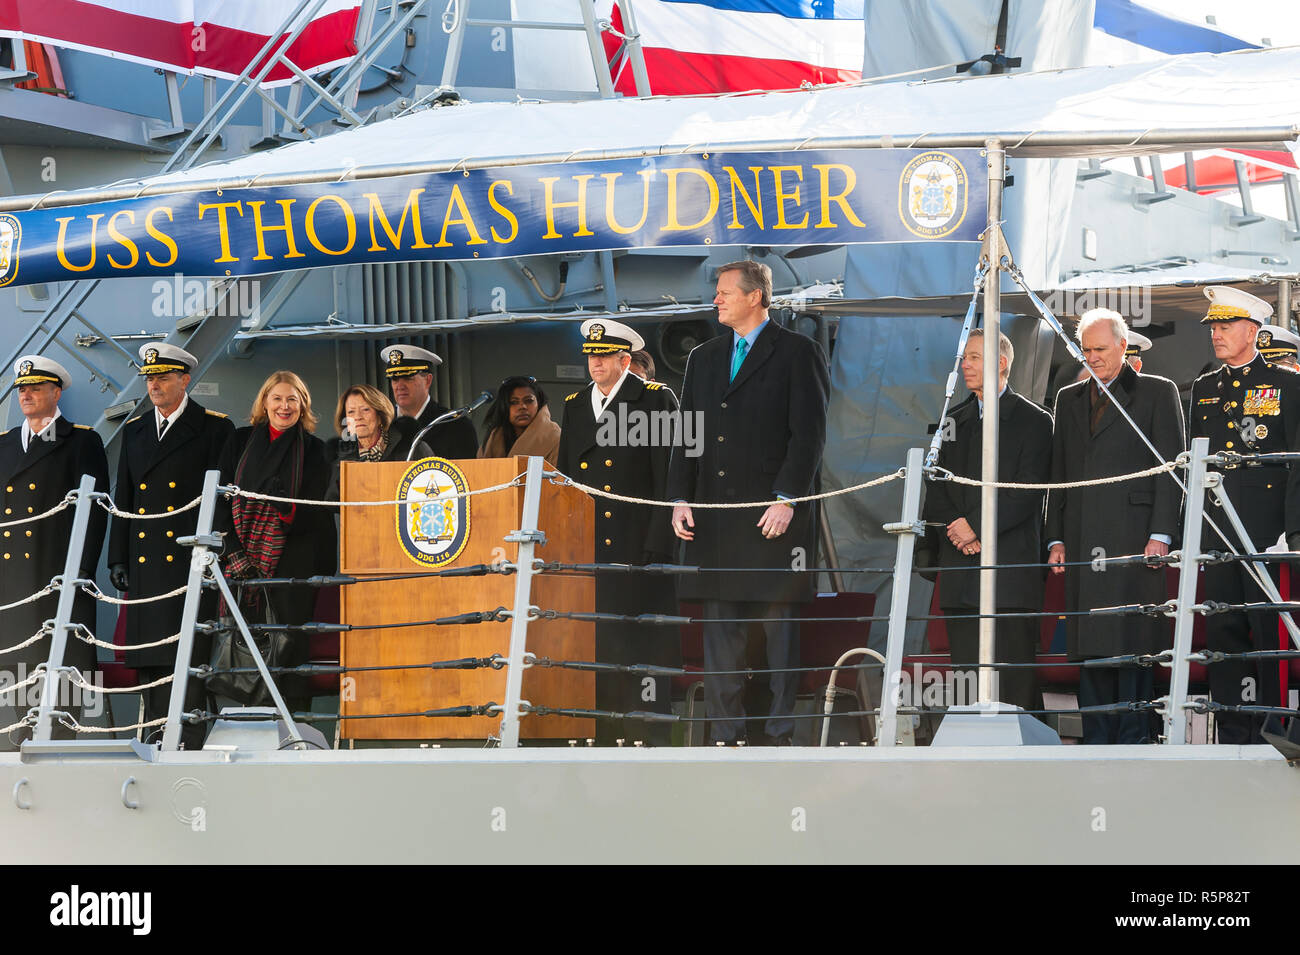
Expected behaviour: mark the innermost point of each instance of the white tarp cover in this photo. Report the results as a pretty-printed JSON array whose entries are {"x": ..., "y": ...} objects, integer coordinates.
[{"x": 1225, "y": 92}]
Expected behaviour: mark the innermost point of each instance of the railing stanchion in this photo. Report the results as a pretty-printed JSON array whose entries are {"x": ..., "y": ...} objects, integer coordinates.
[
  {"x": 63, "y": 615},
  {"x": 1175, "y": 713},
  {"x": 907, "y": 531},
  {"x": 526, "y": 537},
  {"x": 205, "y": 545}
]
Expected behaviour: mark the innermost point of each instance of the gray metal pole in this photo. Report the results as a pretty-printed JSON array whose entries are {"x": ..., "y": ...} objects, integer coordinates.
[
  {"x": 1175, "y": 715},
  {"x": 635, "y": 52},
  {"x": 201, "y": 558},
  {"x": 1028, "y": 144},
  {"x": 988, "y": 529},
  {"x": 281, "y": 45},
  {"x": 526, "y": 537},
  {"x": 907, "y": 531},
  {"x": 240, "y": 622},
  {"x": 604, "y": 82},
  {"x": 63, "y": 615},
  {"x": 455, "y": 44}
]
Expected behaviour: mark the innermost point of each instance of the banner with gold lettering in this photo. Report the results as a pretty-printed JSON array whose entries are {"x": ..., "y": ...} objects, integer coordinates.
[{"x": 773, "y": 199}]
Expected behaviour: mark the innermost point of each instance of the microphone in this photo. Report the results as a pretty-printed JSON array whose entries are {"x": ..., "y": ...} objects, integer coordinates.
[{"x": 483, "y": 398}]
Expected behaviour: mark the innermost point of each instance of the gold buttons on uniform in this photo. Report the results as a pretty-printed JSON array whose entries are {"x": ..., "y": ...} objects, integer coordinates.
[
  {"x": 143, "y": 486},
  {"x": 141, "y": 558},
  {"x": 583, "y": 465},
  {"x": 142, "y": 535},
  {"x": 171, "y": 484},
  {"x": 1230, "y": 424},
  {"x": 9, "y": 510},
  {"x": 608, "y": 542},
  {"x": 721, "y": 438},
  {"x": 6, "y": 556},
  {"x": 1236, "y": 384},
  {"x": 609, "y": 463},
  {"x": 9, "y": 489},
  {"x": 29, "y": 533},
  {"x": 142, "y": 510},
  {"x": 1228, "y": 445},
  {"x": 609, "y": 513},
  {"x": 31, "y": 487},
  {"x": 31, "y": 510},
  {"x": 607, "y": 487},
  {"x": 169, "y": 507},
  {"x": 6, "y": 533},
  {"x": 171, "y": 533},
  {"x": 169, "y": 558}
]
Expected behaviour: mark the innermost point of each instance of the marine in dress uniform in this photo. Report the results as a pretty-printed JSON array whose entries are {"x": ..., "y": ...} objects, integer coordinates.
[
  {"x": 1279, "y": 346},
  {"x": 165, "y": 454},
  {"x": 618, "y": 440},
  {"x": 40, "y": 462},
  {"x": 409, "y": 370},
  {"x": 1247, "y": 406}
]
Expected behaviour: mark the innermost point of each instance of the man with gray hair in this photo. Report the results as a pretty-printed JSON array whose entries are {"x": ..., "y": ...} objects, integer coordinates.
[
  {"x": 1023, "y": 458},
  {"x": 1088, "y": 524}
]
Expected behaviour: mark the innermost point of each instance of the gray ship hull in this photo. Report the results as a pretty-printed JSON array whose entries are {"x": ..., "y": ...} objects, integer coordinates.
[{"x": 955, "y": 805}]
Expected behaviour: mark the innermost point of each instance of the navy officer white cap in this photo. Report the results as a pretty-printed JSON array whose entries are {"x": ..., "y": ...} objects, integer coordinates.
[
  {"x": 402, "y": 361},
  {"x": 1137, "y": 343},
  {"x": 37, "y": 369},
  {"x": 601, "y": 336},
  {"x": 159, "y": 358},
  {"x": 1274, "y": 341},
  {"x": 1227, "y": 304}
]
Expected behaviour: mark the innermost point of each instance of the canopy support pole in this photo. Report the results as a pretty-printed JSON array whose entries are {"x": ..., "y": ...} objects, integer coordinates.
[{"x": 994, "y": 249}]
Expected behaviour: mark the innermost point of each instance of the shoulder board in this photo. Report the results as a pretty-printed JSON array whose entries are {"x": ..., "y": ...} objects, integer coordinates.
[
  {"x": 572, "y": 396},
  {"x": 135, "y": 419},
  {"x": 215, "y": 414},
  {"x": 83, "y": 427},
  {"x": 653, "y": 385}
]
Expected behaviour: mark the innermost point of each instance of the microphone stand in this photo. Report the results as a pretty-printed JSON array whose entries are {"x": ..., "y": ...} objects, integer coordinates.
[{"x": 449, "y": 416}]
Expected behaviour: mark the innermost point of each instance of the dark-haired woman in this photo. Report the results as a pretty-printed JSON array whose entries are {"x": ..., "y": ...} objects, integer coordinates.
[{"x": 520, "y": 423}]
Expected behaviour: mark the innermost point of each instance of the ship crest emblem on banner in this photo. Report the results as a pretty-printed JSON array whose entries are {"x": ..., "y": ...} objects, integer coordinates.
[
  {"x": 11, "y": 233},
  {"x": 433, "y": 524},
  {"x": 932, "y": 195}
]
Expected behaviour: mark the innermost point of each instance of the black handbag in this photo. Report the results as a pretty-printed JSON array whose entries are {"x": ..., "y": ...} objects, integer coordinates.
[
  {"x": 229, "y": 651},
  {"x": 926, "y": 553}
]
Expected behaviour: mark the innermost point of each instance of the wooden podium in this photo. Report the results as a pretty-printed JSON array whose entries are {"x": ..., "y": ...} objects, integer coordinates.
[{"x": 371, "y": 546}]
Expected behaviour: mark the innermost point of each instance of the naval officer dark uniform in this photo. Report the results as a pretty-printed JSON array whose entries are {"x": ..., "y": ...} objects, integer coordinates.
[
  {"x": 156, "y": 474},
  {"x": 608, "y": 453},
  {"x": 1254, "y": 409},
  {"x": 454, "y": 440},
  {"x": 33, "y": 480}
]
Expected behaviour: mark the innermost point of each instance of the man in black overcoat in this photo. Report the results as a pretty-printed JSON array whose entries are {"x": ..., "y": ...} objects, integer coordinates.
[
  {"x": 165, "y": 454},
  {"x": 1024, "y": 448},
  {"x": 1248, "y": 406},
  {"x": 40, "y": 462},
  {"x": 409, "y": 370},
  {"x": 754, "y": 425},
  {"x": 1141, "y": 516},
  {"x": 617, "y": 436}
]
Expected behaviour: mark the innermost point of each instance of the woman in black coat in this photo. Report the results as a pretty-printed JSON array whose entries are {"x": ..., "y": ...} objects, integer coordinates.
[
  {"x": 371, "y": 431},
  {"x": 278, "y": 455}
]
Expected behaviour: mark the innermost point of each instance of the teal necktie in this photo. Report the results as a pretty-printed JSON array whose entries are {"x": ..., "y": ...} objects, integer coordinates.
[{"x": 738, "y": 359}]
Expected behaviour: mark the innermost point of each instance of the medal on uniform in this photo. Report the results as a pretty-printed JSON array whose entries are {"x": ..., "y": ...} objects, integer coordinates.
[{"x": 1262, "y": 401}]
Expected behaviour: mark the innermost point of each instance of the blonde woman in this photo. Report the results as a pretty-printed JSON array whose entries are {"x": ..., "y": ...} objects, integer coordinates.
[
  {"x": 370, "y": 430},
  {"x": 278, "y": 454}
]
